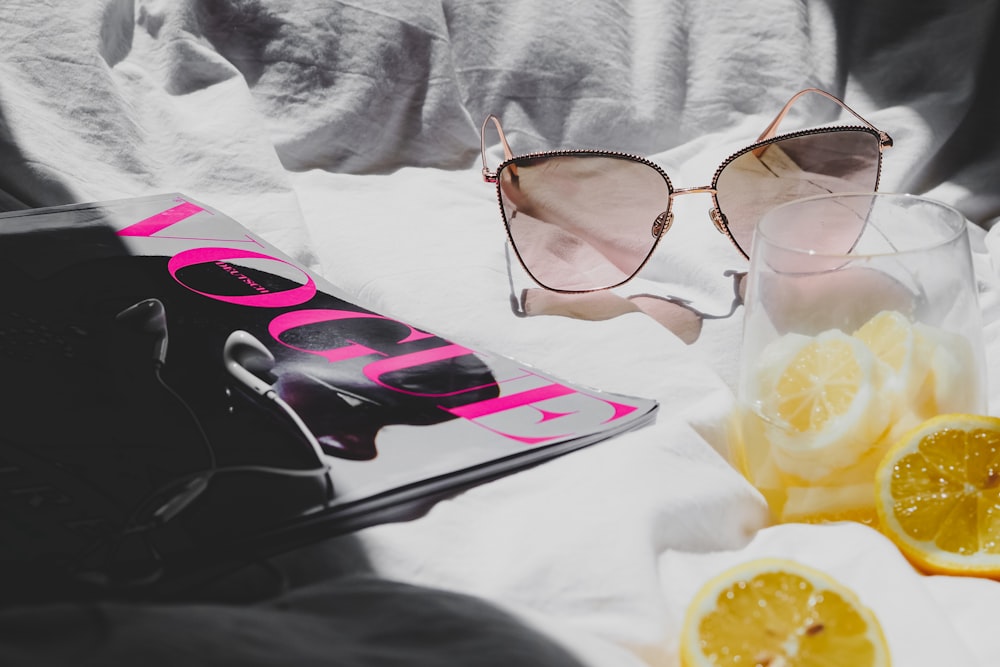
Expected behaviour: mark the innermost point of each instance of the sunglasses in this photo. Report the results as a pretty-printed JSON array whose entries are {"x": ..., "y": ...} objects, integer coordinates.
[{"x": 587, "y": 220}]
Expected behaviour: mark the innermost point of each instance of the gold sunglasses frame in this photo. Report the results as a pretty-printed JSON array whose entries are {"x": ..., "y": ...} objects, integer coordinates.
[{"x": 665, "y": 219}]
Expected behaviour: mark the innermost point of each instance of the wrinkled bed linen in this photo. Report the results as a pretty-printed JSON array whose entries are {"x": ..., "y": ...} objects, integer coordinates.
[{"x": 347, "y": 134}]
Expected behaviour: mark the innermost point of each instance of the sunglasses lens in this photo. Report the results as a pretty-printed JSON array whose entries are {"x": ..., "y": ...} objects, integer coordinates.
[
  {"x": 584, "y": 221},
  {"x": 813, "y": 164}
]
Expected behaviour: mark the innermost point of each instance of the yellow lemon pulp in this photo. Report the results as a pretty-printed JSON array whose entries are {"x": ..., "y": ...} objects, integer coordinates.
[
  {"x": 819, "y": 385},
  {"x": 938, "y": 495},
  {"x": 820, "y": 401},
  {"x": 894, "y": 341},
  {"x": 890, "y": 336},
  {"x": 778, "y": 612}
]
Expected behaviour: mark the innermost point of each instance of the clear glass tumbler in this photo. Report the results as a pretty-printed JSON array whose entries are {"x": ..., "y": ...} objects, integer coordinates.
[{"x": 861, "y": 321}]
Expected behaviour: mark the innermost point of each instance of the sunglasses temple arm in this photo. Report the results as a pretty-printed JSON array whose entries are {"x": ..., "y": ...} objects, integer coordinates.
[
  {"x": 488, "y": 175},
  {"x": 772, "y": 129}
]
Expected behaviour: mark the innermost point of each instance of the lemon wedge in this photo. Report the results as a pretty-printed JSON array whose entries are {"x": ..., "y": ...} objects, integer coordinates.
[
  {"x": 779, "y": 613},
  {"x": 937, "y": 494}
]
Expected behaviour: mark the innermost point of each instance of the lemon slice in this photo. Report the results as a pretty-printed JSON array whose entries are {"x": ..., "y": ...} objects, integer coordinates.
[
  {"x": 822, "y": 402},
  {"x": 778, "y": 612},
  {"x": 937, "y": 494},
  {"x": 951, "y": 384},
  {"x": 840, "y": 502},
  {"x": 895, "y": 341}
]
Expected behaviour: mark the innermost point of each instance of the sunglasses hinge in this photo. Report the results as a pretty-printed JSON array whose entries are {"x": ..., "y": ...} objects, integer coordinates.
[{"x": 489, "y": 176}]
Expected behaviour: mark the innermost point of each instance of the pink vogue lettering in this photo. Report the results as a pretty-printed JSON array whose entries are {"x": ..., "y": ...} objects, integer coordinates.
[
  {"x": 297, "y": 318},
  {"x": 221, "y": 256},
  {"x": 544, "y": 402}
]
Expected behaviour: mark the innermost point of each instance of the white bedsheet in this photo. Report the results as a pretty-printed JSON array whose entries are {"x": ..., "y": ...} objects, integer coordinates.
[{"x": 347, "y": 134}]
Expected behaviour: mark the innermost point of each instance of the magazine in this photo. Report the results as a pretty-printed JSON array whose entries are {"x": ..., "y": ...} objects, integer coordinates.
[{"x": 179, "y": 387}]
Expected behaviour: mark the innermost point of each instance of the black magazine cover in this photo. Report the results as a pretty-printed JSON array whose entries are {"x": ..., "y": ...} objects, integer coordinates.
[{"x": 178, "y": 392}]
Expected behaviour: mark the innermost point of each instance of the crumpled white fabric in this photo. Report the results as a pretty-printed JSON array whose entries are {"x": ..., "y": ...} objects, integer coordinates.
[{"x": 348, "y": 135}]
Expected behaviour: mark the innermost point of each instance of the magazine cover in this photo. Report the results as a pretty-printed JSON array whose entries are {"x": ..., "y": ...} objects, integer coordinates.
[{"x": 179, "y": 387}]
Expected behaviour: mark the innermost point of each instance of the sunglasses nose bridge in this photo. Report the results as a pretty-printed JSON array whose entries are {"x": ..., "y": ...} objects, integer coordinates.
[
  {"x": 701, "y": 189},
  {"x": 714, "y": 213}
]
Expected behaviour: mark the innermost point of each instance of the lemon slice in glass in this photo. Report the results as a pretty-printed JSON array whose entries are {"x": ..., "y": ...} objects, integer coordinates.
[
  {"x": 822, "y": 400},
  {"x": 950, "y": 384},
  {"x": 778, "y": 612},
  {"x": 895, "y": 341}
]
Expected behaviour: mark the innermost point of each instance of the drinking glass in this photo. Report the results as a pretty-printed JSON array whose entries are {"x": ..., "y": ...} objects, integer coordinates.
[{"x": 861, "y": 322}]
